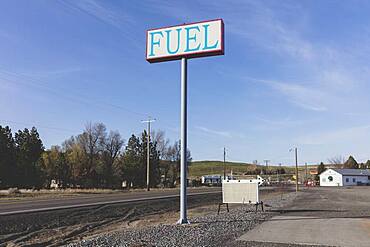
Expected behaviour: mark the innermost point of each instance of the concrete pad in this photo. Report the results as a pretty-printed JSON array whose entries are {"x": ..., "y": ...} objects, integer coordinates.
[{"x": 346, "y": 232}]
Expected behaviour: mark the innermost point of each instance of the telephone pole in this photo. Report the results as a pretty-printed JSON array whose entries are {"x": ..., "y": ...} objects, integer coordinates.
[
  {"x": 224, "y": 163},
  {"x": 296, "y": 167},
  {"x": 306, "y": 179},
  {"x": 149, "y": 121},
  {"x": 267, "y": 165}
]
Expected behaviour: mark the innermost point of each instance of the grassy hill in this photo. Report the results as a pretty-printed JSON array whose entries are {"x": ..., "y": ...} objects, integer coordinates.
[{"x": 200, "y": 168}]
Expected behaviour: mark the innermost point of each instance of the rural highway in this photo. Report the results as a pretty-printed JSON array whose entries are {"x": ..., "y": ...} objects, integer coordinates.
[{"x": 14, "y": 206}]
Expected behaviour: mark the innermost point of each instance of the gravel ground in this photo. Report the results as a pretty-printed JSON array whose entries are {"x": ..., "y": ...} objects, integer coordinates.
[
  {"x": 208, "y": 230},
  {"x": 65, "y": 226},
  {"x": 265, "y": 244}
]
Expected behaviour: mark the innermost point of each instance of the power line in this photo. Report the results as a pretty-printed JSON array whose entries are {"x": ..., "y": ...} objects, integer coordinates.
[
  {"x": 26, "y": 80},
  {"x": 39, "y": 83},
  {"x": 40, "y": 126},
  {"x": 18, "y": 78}
]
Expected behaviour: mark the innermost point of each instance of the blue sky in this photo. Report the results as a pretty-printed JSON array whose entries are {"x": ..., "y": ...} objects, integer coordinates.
[{"x": 295, "y": 73}]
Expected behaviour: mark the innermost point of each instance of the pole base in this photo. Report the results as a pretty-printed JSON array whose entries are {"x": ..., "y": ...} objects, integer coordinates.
[{"x": 183, "y": 222}]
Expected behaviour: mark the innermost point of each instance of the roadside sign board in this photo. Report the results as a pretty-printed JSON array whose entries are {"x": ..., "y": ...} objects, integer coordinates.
[
  {"x": 198, "y": 39},
  {"x": 240, "y": 191}
]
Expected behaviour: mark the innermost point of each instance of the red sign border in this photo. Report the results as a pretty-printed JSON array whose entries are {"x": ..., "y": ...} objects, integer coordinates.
[{"x": 220, "y": 51}]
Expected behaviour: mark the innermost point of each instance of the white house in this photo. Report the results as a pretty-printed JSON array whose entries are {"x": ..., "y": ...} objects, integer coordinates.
[
  {"x": 214, "y": 179},
  {"x": 344, "y": 177}
]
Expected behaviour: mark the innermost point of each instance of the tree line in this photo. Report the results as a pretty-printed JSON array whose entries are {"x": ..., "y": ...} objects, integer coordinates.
[
  {"x": 339, "y": 162},
  {"x": 350, "y": 163},
  {"x": 95, "y": 158}
]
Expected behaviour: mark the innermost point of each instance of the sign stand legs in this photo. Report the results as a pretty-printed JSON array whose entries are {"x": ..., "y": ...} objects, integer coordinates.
[
  {"x": 261, "y": 204},
  {"x": 219, "y": 207},
  {"x": 183, "y": 145}
]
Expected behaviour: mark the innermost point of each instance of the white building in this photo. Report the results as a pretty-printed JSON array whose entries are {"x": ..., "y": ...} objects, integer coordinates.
[
  {"x": 214, "y": 179},
  {"x": 344, "y": 177}
]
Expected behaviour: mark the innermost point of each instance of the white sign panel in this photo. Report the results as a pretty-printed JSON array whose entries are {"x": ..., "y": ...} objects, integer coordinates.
[
  {"x": 189, "y": 40},
  {"x": 240, "y": 191}
]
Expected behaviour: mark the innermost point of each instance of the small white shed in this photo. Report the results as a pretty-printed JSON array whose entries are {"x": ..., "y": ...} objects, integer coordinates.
[{"x": 344, "y": 177}]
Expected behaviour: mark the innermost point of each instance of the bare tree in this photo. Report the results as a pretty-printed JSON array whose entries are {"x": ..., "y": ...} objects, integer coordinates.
[
  {"x": 112, "y": 146},
  {"x": 164, "y": 149},
  {"x": 162, "y": 143},
  {"x": 337, "y": 161},
  {"x": 173, "y": 155},
  {"x": 91, "y": 141}
]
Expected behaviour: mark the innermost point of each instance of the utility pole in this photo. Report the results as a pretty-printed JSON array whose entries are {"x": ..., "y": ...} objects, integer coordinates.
[
  {"x": 149, "y": 121},
  {"x": 267, "y": 164},
  {"x": 280, "y": 184},
  {"x": 224, "y": 163},
  {"x": 296, "y": 167},
  {"x": 306, "y": 179}
]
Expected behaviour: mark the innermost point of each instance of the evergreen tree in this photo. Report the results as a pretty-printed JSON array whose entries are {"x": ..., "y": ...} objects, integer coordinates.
[
  {"x": 321, "y": 168},
  {"x": 367, "y": 165},
  {"x": 154, "y": 178},
  {"x": 7, "y": 158},
  {"x": 351, "y": 163},
  {"x": 29, "y": 148},
  {"x": 132, "y": 167}
]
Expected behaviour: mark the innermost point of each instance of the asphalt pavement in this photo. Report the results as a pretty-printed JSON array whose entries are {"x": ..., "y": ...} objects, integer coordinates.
[
  {"x": 13, "y": 206},
  {"x": 336, "y": 216}
]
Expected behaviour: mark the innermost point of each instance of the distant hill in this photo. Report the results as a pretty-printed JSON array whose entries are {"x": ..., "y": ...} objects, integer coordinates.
[{"x": 200, "y": 168}]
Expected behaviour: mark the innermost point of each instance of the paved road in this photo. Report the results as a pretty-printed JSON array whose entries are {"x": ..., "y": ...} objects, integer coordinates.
[
  {"x": 37, "y": 204},
  {"x": 321, "y": 216}
]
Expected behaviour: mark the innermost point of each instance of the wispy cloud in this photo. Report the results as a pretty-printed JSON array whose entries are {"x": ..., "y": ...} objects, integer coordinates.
[
  {"x": 100, "y": 12},
  {"x": 343, "y": 135},
  {"x": 278, "y": 123},
  {"x": 34, "y": 76},
  {"x": 214, "y": 132},
  {"x": 53, "y": 72},
  {"x": 114, "y": 17},
  {"x": 300, "y": 95},
  {"x": 327, "y": 73},
  {"x": 181, "y": 11},
  {"x": 265, "y": 31},
  {"x": 313, "y": 75}
]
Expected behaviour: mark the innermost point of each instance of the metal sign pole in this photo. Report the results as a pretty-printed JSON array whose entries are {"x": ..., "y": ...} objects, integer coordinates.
[{"x": 183, "y": 180}]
